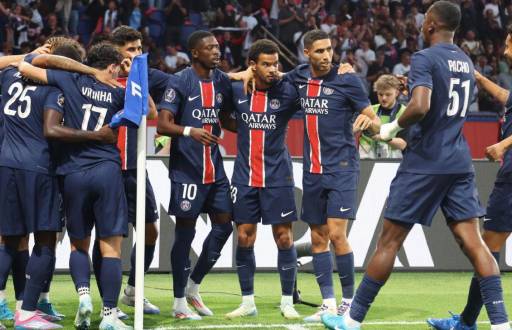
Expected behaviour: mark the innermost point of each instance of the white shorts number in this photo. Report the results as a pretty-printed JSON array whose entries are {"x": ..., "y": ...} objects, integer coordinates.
[{"x": 189, "y": 191}]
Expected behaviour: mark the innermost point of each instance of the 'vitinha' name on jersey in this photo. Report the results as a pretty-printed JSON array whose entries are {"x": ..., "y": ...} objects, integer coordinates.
[
  {"x": 314, "y": 106},
  {"x": 458, "y": 66},
  {"x": 260, "y": 120},
  {"x": 206, "y": 115},
  {"x": 100, "y": 96}
]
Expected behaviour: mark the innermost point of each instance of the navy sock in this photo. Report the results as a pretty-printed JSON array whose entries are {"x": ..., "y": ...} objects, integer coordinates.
[
  {"x": 210, "y": 253},
  {"x": 287, "y": 266},
  {"x": 365, "y": 295},
  {"x": 38, "y": 273},
  {"x": 79, "y": 269},
  {"x": 474, "y": 304},
  {"x": 492, "y": 295},
  {"x": 111, "y": 280},
  {"x": 7, "y": 255},
  {"x": 149, "y": 252},
  {"x": 19, "y": 268},
  {"x": 246, "y": 267},
  {"x": 323, "y": 267},
  {"x": 96, "y": 264},
  {"x": 46, "y": 287},
  {"x": 345, "y": 265},
  {"x": 180, "y": 261}
]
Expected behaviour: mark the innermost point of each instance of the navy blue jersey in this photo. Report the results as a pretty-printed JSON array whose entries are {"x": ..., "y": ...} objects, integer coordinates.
[
  {"x": 196, "y": 102},
  {"x": 330, "y": 104},
  {"x": 504, "y": 173},
  {"x": 436, "y": 145},
  {"x": 127, "y": 141},
  {"x": 89, "y": 106},
  {"x": 23, "y": 103},
  {"x": 262, "y": 119}
]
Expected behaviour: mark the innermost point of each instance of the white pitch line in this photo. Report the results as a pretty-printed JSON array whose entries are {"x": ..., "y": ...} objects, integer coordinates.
[{"x": 300, "y": 326}]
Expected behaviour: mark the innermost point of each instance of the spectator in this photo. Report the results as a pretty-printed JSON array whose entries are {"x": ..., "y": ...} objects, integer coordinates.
[
  {"x": 493, "y": 7},
  {"x": 473, "y": 46},
  {"x": 329, "y": 26},
  {"x": 482, "y": 66},
  {"x": 110, "y": 19},
  {"x": 290, "y": 22},
  {"x": 417, "y": 16},
  {"x": 64, "y": 6},
  {"x": 403, "y": 68},
  {"x": 174, "y": 59},
  {"x": 175, "y": 15},
  {"x": 52, "y": 27},
  {"x": 248, "y": 21},
  {"x": 365, "y": 57},
  {"x": 388, "y": 109}
]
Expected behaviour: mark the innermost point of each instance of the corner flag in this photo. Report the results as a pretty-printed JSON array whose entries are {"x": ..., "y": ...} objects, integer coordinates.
[{"x": 136, "y": 95}]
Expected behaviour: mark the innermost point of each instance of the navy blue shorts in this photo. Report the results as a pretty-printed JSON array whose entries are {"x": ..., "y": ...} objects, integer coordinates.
[
  {"x": 189, "y": 200},
  {"x": 499, "y": 208},
  {"x": 29, "y": 202},
  {"x": 130, "y": 188},
  {"x": 95, "y": 198},
  {"x": 272, "y": 205},
  {"x": 330, "y": 195},
  {"x": 415, "y": 198}
]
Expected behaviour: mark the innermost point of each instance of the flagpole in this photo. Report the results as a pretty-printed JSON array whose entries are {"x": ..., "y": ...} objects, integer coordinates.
[{"x": 141, "y": 225}]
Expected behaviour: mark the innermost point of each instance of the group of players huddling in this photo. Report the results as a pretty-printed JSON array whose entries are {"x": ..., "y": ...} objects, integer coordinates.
[{"x": 60, "y": 159}]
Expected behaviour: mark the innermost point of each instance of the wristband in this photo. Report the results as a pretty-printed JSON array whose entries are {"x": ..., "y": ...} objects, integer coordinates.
[{"x": 186, "y": 131}]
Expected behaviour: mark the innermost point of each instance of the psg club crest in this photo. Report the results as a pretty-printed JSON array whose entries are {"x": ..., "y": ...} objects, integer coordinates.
[
  {"x": 185, "y": 205},
  {"x": 60, "y": 100},
  {"x": 328, "y": 91},
  {"x": 274, "y": 104},
  {"x": 170, "y": 95},
  {"x": 219, "y": 98}
]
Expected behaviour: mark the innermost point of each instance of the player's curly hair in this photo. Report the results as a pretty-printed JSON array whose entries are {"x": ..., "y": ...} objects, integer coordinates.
[
  {"x": 124, "y": 34},
  {"x": 385, "y": 82},
  {"x": 101, "y": 55},
  {"x": 262, "y": 46},
  {"x": 67, "y": 47}
]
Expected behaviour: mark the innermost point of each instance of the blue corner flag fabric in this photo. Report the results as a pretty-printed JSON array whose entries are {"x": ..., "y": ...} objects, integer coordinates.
[{"x": 136, "y": 95}]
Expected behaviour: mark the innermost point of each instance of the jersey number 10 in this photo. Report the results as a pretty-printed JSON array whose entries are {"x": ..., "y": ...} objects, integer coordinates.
[{"x": 454, "y": 93}]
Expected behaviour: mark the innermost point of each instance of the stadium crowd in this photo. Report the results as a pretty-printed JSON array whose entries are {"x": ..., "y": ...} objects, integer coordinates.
[{"x": 376, "y": 37}]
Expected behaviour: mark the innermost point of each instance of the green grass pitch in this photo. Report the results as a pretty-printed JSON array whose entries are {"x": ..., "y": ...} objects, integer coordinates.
[{"x": 404, "y": 303}]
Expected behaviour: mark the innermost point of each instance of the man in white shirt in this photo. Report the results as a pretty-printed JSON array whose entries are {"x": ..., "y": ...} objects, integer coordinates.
[
  {"x": 403, "y": 68},
  {"x": 175, "y": 59},
  {"x": 365, "y": 56}
]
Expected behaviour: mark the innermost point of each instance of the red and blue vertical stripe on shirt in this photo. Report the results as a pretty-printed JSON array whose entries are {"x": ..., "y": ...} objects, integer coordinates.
[
  {"x": 208, "y": 102},
  {"x": 314, "y": 89},
  {"x": 259, "y": 101},
  {"x": 123, "y": 138}
]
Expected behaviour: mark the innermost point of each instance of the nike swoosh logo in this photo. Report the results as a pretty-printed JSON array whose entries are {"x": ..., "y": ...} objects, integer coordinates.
[
  {"x": 242, "y": 101},
  {"x": 320, "y": 275},
  {"x": 302, "y": 86},
  {"x": 192, "y": 98},
  {"x": 287, "y": 268},
  {"x": 240, "y": 266},
  {"x": 188, "y": 268},
  {"x": 286, "y": 214},
  {"x": 344, "y": 210},
  {"x": 487, "y": 219}
]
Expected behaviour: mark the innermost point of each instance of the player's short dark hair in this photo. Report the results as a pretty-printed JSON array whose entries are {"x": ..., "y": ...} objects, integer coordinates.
[
  {"x": 314, "y": 35},
  {"x": 262, "y": 46},
  {"x": 124, "y": 34},
  {"x": 447, "y": 13},
  {"x": 196, "y": 37},
  {"x": 67, "y": 47},
  {"x": 102, "y": 55}
]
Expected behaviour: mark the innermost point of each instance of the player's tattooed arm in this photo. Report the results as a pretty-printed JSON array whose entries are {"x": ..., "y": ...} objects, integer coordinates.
[
  {"x": 54, "y": 130},
  {"x": 227, "y": 121},
  {"x": 496, "y": 91},
  {"x": 367, "y": 121},
  {"x": 167, "y": 126},
  {"x": 67, "y": 64}
]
